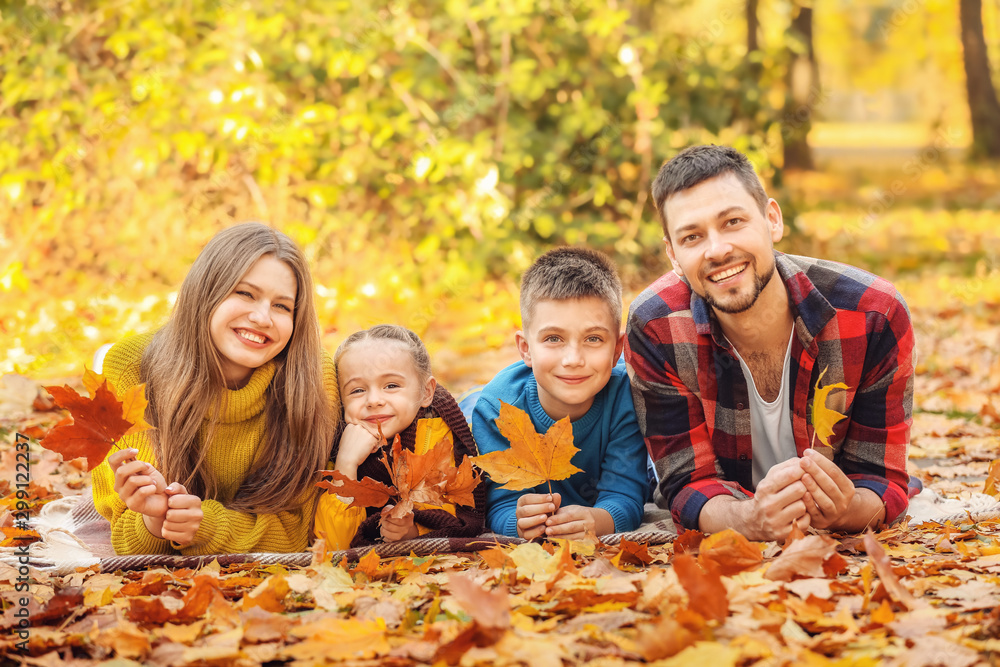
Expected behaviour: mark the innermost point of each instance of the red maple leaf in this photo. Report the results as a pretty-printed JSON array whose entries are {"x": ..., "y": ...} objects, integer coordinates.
[{"x": 97, "y": 424}]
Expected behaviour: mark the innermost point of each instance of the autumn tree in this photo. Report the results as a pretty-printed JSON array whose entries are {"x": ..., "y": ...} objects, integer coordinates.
[
  {"x": 983, "y": 106},
  {"x": 802, "y": 81}
]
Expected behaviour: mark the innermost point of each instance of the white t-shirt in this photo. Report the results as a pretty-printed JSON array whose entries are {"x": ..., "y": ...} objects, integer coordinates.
[{"x": 770, "y": 423}]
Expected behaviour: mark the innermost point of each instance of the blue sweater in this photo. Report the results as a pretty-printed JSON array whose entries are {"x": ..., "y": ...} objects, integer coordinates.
[{"x": 612, "y": 453}]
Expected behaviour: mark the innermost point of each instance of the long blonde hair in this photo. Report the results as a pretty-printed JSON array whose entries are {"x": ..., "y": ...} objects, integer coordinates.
[{"x": 184, "y": 379}]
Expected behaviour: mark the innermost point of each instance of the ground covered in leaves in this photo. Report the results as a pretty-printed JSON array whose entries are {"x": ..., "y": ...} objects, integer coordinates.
[{"x": 924, "y": 595}]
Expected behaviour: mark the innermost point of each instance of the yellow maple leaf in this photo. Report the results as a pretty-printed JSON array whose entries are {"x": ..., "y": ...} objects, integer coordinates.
[
  {"x": 824, "y": 418},
  {"x": 532, "y": 459},
  {"x": 992, "y": 485}
]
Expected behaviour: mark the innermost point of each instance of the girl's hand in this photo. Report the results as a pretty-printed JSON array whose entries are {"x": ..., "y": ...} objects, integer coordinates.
[
  {"x": 395, "y": 530},
  {"x": 183, "y": 517},
  {"x": 139, "y": 485},
  {"x": 533, "y": 509},
  {"x": 356, "y": 444}
]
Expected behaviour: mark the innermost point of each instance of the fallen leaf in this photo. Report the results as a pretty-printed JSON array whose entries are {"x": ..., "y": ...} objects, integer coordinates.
[
  {"x": 706, "y": 592},
  {"x": 810, "y": 556},
  {"x": 992, "y": 485},
  {"x": 893, "y": 586},
  {"x": 148, "y": 610},
  {"x": 269, "y": 595},
  {"x": 531, "y": 459},
  {"x": 62, "y": 604},
  {"x": 198, "y": 598},
  {"x": 665, "y": 639},
  {"x": 883, "y": 614},
  {"x": 731, "y": 551},
  {"x": 488, "y": 608},
  {"x": 18, "y": 537},
  {"x": 688, "y": 541},
  {"x": 635, "y": 553},
  {"x": 368, "y": 565},
  {"x": 824, "y": 418}
]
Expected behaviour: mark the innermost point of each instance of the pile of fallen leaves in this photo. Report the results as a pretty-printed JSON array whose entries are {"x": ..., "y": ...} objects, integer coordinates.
[{"x": 923, "y": 595}]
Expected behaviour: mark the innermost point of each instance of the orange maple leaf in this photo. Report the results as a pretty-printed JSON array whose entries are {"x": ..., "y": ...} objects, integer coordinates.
[
  {"x": 732, "y": 552},
  {"x": 531, "y": 459},
  {"x": 365, "y": 492},
  {"x": 17, "y": 537},
  {"x": 430, "y": 478},
  {"x": 98, "y": 422},
  {"x": 706, "y": 592}
]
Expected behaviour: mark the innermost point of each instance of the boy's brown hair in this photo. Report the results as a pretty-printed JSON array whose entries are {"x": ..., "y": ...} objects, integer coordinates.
[{"x": 571, "y": 273}]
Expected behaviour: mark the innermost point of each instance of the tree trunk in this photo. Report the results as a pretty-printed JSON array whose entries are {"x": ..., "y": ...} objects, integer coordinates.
[
  {"x": 753, "y": 28},
  {"x": 983, "y": 105},
  {"x": 803, "y": 86}
]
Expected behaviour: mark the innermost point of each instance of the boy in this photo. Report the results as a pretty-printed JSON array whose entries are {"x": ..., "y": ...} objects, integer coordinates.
[{"x": 571, "y": 305}]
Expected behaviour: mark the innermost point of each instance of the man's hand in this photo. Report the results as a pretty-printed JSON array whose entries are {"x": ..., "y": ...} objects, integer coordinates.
[
  {"x": 533, "y": 509},
  {"x": 394, "y": 530},
  {"x": 778, "y": 503},
  {"x": 183, "y": 517},
  {"x": 575, "y": 522},
  {"x": 829, "y": 491},
  {"x": 139, "y": 484}
]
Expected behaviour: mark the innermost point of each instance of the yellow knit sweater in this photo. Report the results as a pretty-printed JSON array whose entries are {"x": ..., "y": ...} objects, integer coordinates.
[{"x": 230, "y": 456}]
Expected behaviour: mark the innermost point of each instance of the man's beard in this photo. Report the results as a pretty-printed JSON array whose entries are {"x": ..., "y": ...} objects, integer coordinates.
[{"x": 740, "y": 305}]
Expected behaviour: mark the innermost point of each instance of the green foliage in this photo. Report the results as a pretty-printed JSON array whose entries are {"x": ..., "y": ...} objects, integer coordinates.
[{"x": 423, "y": 144}]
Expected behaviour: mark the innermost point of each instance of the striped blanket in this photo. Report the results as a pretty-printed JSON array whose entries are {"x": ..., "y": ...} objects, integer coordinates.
[{"x": 74, "y": 535}]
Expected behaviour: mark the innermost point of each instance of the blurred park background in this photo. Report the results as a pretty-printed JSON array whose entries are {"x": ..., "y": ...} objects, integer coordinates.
[{"x": 423, "y": 153}]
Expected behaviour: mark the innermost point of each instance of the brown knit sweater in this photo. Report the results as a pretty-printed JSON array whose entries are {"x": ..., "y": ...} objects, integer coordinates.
[{"x": 467, "y": 521}]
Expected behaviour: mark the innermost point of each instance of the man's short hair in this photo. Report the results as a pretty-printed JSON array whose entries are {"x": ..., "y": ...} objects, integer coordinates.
[
  {"x": 571, "y": 273},
  {"x": 699, "y": 163}
]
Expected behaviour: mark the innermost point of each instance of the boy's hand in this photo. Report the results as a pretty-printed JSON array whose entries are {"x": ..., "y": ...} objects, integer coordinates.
[
  {"x": 395, "y": 530},
  {"x": 575, "y": 522},
  {"x": 139, "y": 484},
  {"x": 533, "y": 509},
  {"x": 183, "y": 517},
  {"x": 356, "y": 444}
]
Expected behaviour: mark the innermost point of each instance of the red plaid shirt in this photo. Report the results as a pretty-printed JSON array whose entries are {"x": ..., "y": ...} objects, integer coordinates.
[{"x": 693, "y": 404}]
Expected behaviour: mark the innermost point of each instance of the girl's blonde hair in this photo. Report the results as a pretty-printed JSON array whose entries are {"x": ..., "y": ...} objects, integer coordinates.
[
  {"x": 391, "y": 332},
  {"x": 183, "y": 373}
]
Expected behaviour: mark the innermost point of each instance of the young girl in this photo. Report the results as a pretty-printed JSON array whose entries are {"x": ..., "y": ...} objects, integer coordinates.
[
  {"x": 243, "y": 402},
  {"x": 384, "y": 375}
]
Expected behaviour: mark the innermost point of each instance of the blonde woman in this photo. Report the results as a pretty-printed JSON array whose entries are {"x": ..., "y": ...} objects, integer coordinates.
[{"x": 244, "y": 403}]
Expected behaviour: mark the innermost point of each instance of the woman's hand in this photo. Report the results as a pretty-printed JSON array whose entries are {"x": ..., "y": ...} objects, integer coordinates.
[
  {"x": 140, "y": 486},
  {"x": 183, "y": 515},
  {"x": 395, "y": 530},
  {"x": 356, "y": 444}
]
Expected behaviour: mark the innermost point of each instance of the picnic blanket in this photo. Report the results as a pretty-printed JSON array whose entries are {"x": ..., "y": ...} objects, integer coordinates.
[{"x": 75, "y": 535}]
